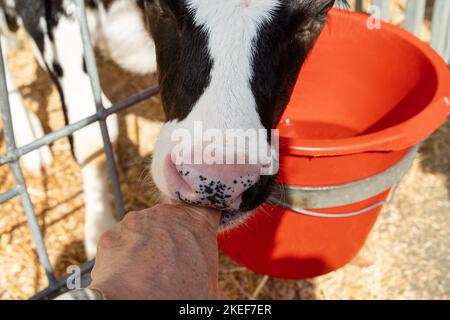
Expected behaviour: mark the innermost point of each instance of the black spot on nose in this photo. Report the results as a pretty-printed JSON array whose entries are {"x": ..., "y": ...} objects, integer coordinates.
[{"x": 208, "y": 190}]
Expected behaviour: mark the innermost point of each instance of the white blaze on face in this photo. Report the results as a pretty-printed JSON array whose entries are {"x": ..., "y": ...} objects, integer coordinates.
[
  {"x": 232, "y": 28},
  {"x": 228, "y": 102}
]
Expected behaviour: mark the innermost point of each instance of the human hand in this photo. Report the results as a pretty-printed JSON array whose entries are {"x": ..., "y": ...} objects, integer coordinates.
[{"x": 166, "y": 252}]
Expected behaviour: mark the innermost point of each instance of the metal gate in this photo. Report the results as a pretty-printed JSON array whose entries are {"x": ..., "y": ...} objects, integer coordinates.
[
  {"x": 415, "y": 14},
  {"x": 414, "y": 20}
]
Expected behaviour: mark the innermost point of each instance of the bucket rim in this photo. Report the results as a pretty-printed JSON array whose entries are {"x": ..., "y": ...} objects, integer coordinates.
[{"x": 395, "y": 138}]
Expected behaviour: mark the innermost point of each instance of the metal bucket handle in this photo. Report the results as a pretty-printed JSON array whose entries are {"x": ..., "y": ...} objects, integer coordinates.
[{"x": 297, "y": 198}]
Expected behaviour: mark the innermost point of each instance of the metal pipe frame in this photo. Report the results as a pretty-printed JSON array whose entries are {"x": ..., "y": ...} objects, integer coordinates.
[{"x": 13, "y": 153}]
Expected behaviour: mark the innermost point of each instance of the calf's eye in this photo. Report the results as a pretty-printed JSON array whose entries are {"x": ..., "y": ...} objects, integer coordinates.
[
  {"x": 324, "y": 11},
  {"x": 157, "y": 8}
]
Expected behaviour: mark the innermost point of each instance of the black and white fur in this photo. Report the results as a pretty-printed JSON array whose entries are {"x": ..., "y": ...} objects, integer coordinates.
[{"x": 227, "y": 63}]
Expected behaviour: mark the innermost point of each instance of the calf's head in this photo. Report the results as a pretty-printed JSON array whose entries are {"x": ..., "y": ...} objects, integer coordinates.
[{"x": 226, "y": 67}]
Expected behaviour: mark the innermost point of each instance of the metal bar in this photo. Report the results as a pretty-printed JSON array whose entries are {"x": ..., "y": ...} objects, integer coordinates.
[
  {"x": 68, "y": 130},
  {"x": 447, "y": 50},
  {"x": 440, "y": 25},
  {"x": 359, "y": 5},
  {"x": 8, "y": 195},
  {"x": 384, "y": 6},
  {"x": 57, "y": 288},
  {"x": 335, "y": 215},
  {"x": 18, "y": 176},
  {"x": 33, "y": 223},
  {"x": 415, "y": 14},
  {"x": 91, "y": 67},
  {"x": 446, "y": 35}
]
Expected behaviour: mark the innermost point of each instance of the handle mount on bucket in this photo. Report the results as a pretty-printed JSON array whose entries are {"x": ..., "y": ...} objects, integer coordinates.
[{"x": 297, "y": 198}]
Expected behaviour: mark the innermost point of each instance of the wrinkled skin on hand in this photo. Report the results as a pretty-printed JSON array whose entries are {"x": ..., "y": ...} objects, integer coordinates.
[{"x": 166, "y": 252}]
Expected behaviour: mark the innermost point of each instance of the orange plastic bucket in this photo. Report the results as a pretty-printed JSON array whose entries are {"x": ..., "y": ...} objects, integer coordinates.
[{"x": 364, "y": 99}]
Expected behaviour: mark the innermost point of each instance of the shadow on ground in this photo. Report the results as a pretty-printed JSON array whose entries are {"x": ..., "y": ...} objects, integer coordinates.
[{"x": 435, "y": 153}]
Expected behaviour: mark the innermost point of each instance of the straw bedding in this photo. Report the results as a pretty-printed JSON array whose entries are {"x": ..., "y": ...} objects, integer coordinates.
[{"x": 406, "y": 256}]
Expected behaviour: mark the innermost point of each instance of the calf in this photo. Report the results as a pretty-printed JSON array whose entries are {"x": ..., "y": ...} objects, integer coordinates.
[{"x": 222, "y": 66}]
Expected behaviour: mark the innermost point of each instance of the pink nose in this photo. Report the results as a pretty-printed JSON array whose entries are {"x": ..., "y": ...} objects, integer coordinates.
[{"x": 217, "y": 185}]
